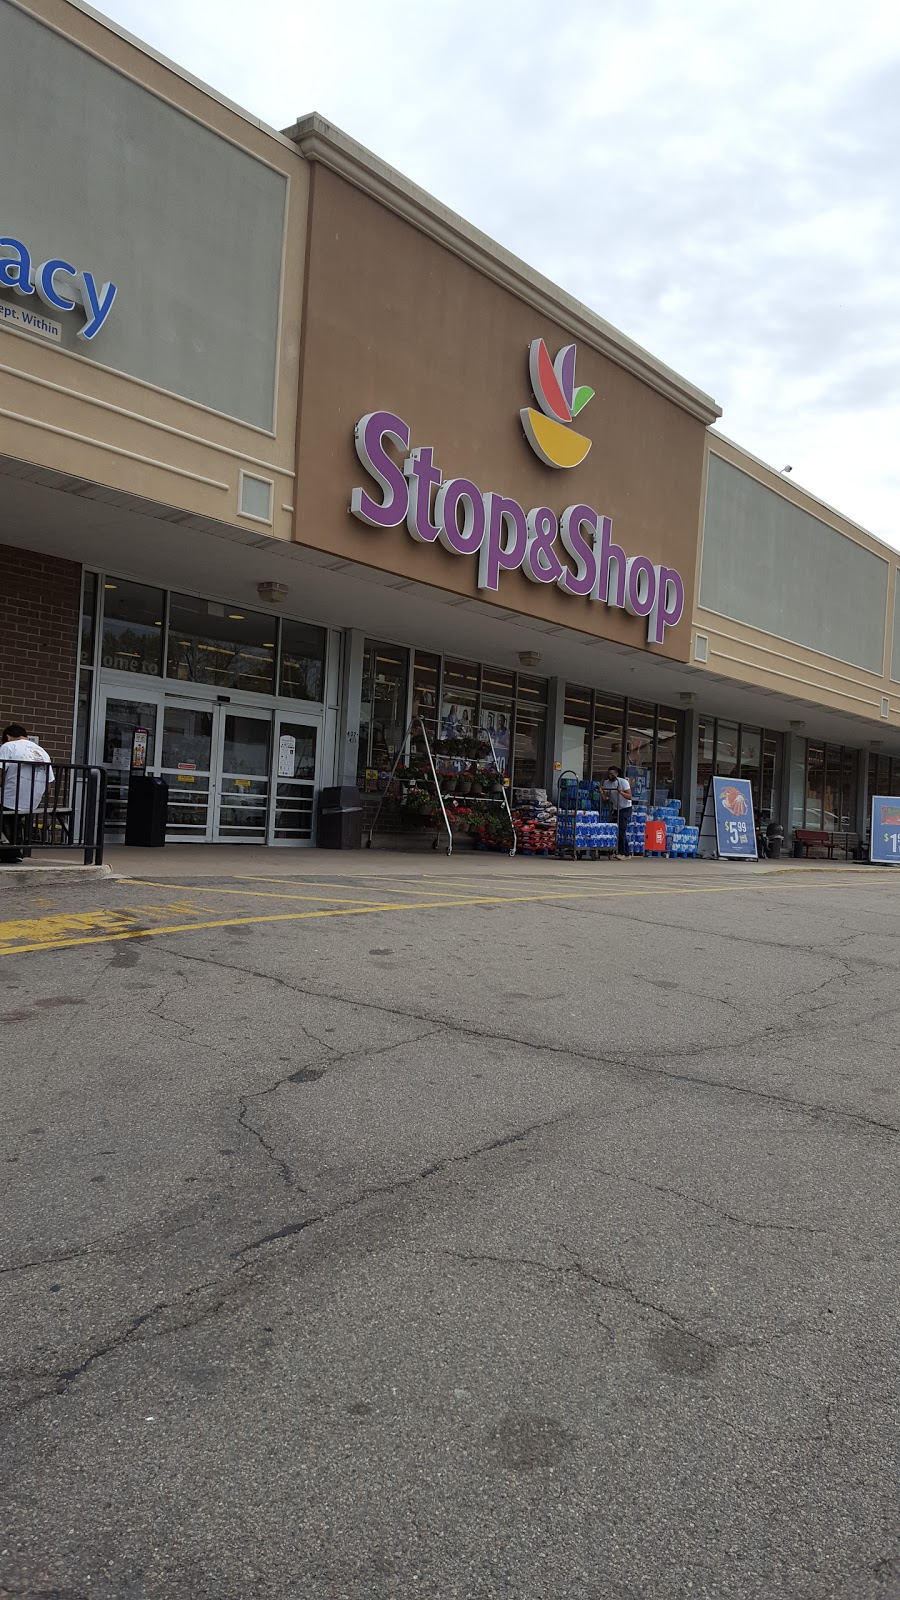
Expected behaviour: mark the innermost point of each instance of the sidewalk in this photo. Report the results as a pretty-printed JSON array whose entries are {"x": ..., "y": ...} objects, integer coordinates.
[
  {"x": 229, "y": 860},
  {"x": 185, "y": 861}
]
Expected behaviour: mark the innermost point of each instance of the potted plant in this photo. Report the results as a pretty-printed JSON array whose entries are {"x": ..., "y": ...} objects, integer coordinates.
[
  {"x": 497, "y": 832},
  {"x": 418, "y": 808}
]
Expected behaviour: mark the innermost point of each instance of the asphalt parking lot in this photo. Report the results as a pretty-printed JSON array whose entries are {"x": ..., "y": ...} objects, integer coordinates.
[{"x": 446, "y": 1229}]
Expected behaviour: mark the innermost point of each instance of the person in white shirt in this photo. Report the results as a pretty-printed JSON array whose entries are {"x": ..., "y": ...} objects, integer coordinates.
[
  {"x": 25, "y": 774},
  {"x": 618, "y": 792}
]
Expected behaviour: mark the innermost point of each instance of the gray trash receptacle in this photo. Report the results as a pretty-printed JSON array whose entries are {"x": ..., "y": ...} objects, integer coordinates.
[{"x": 340, "y": 819}]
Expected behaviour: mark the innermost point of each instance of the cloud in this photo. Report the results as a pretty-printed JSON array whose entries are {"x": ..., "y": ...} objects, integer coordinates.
[{"x": 720, "y": 182}]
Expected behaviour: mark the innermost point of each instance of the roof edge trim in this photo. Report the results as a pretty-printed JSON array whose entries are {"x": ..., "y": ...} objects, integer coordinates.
[{"x": 320, "y": 140}]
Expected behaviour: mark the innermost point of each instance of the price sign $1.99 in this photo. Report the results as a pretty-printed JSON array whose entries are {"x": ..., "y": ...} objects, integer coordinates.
[{"x": 885, "y": 831}]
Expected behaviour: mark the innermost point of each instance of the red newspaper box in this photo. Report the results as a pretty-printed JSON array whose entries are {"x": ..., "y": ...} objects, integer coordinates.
[{"x": 655, "y": 836}]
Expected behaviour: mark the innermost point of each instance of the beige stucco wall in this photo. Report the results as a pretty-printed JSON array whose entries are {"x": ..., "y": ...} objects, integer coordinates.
[
  {"x": 401, "y": 320},
  {"x": 68, "y": 413},
  {"x": 750, "y": 655}
]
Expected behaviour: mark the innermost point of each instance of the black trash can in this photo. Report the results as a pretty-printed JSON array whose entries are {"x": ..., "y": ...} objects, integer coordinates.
[
  {"x": 148, "y": 805},
  {"x": 774, "y": 840},
  {"x": 340, "y": 819}
]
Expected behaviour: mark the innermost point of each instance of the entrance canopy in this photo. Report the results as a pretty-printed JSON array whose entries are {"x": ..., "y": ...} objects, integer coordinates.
[{"x": 122, "y": 534}]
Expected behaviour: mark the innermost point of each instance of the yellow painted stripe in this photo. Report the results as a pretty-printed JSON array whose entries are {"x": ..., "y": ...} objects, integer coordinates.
[
  {"x": 260, "y": 894},
  {"x": 64, "y": 922},
  {"x": 391, "y": 885},
  {"x": 369, "y": 910},
  {"x": 58, "y": 924}
]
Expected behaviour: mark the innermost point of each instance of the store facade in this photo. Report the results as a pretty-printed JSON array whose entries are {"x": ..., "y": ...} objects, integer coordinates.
[
  {"x": 796, "y": 612},
  {"x": 363, "y": 467}
]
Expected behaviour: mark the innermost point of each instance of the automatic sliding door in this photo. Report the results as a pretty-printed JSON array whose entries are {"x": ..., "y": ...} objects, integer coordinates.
[
  {"x": 186, "y": 765},
  {"x": 244, "y": 778},
  {"x": 296, "y": 750}
]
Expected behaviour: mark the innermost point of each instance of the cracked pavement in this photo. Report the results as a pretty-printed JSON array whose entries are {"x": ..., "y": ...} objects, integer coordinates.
[{"x": 522, "y": 1249}]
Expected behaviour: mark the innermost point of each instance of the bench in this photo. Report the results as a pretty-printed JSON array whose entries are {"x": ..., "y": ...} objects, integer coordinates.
[{"x": 807, "y": 839}]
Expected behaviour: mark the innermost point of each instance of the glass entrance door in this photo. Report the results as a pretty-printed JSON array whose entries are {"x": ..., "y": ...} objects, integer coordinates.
[
  {"x": 186, "y": 764},
  {"x": 294, "y": 781},
  {"x": 245, "y": 775},
  {"x": 243, "y": 786},
  {"x": 118, "y": 719}
]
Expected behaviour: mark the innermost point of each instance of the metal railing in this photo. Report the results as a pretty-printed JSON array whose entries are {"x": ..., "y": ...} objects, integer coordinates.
[{"x": 65, "y": 814}]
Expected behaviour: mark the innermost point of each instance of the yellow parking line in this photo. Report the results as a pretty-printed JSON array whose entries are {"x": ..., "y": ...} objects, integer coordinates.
[
  {"x": 391, "y": 886},
  {"x": 369, "y": 910},
  {"x": 262, "y": 894}
]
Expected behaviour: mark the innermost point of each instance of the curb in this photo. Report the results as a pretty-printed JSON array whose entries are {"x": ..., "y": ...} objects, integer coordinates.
[{"x": 20, "y": 876}]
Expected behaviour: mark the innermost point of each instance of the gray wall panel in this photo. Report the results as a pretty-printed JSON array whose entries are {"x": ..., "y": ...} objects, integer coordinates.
[
  {"x": 895, "y": 638},
  {"x": 777, "y": 568},
  {"x": 97, "y": 170}
]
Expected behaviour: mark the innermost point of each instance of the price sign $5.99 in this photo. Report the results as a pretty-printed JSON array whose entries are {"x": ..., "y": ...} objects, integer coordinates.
[{"x": 735, "y": 828}]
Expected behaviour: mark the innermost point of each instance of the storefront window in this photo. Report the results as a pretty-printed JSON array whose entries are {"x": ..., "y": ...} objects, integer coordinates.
[
  {"x": 751, "y": 760},
  {"x": 86, "y": 658},
  {"x": 608, "y": 735},
  {"x": 132, "y": 627},
  {"x": 849, "y": 773},
  {"x": 640, "y": 750},
  {"x": 426, "y": 688},
  {"x": 497, "y": 703},
  {"x": 82, "y": 715},
  {"x": 726, "y": 749},
  {"x": 302, "y": 661},
  {"x": 459, "y": 700},
  {"x": 770, "y": 775},
  {"x": 815, "y": 772},
  {"x": 576, "y": 729},
  {"x": 88, "y": 619},
  {"x": 210, "y": 642},
  {"x": 383, "y": 719},
  {"x": 531, "y": 721},
  {"x": 798, "y": 783},
  {"x": 426, "y": 684},
  {"x": 833, "y": 804},
  {"x": 706, "y": 754},
  {"x": 665, "y": 783}
]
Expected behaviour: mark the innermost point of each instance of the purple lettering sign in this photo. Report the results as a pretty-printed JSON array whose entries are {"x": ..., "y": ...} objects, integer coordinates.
[{"x": 467, "y": 521}]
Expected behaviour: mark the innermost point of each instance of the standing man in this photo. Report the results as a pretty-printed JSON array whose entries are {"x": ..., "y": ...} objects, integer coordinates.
[
  {"x": 618, "y": 792},
  {"x": 25, "y": 772}
]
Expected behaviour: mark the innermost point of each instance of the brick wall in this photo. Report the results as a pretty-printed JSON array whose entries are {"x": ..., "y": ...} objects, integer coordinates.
[{"x": 40, "y": 600}]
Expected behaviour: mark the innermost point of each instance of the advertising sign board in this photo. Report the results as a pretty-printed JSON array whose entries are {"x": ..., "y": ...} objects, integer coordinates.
[
  {"x": 884, "y": 840},
  {"x": 735, "y": 828}
]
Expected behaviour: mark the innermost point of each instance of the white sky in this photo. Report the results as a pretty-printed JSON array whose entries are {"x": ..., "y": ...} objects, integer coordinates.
[{"x": 720, "y": 181}]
